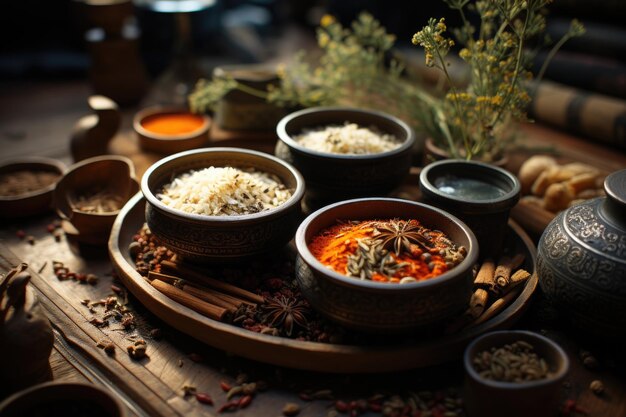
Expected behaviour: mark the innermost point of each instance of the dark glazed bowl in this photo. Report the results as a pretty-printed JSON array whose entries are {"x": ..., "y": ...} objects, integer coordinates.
[
  {"x": 335, "y": 177},
  {"x": 582, "y": 263},
  {"x": 33, "y": 202},
  {"x": 489, "y": 398},
  {"x": 215, "y": 239},
  {"x": 376, "y": 307},
  {"x": 166, "y": 143},
  {"x": 63, "y": 398},
  {"x": 486, "y": 215}
]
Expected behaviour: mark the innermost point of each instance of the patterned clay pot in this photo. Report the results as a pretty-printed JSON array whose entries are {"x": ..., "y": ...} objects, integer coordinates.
[{"x": 582, "y": 262}]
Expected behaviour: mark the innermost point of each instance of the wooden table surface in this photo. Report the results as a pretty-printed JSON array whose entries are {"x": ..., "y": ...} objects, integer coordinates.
[{"x": 37, "y": 119}]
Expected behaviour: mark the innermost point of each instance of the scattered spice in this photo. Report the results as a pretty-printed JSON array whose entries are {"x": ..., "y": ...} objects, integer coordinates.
[
  {"x": 108, "y": 346},
  {"x": 204, "y": 398},
  {"x": 515, "y": 362},
  {"x": 25, "y": 181},
  {"x": 156, "y": 334},
  {"x": 137, "y": 350},
  {"x": 395, "y": 250},
  {"x": 21, "y": 234},
  {"x": 30, "y": 239},
  {"x": 99, "y": 202},
  {"x": 291, "y": 409},
  {"x": 570, "y": 407},
  {"x": 224, "y": 191},
  {"x": 589, "y": 361},
  {"x": 597, "y": 387}
]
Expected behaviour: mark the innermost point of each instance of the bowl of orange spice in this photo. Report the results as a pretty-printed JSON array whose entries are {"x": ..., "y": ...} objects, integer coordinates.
[
  {"x": 168, "y": 130},
  {"x": 383, "y": 265}
]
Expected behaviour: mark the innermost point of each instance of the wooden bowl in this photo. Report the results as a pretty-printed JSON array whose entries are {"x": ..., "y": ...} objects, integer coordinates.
[
  {"x": 169, "y": 143},
  {"x": 214, "y": 239},
  {"x": 334, "y": 177},
  {"x": 114, "y": 175},
  {"x": 69, "y": 399},
  {"x": 539, "y": 398},
  {"x": 376, "y": 307},
  {"x": 32, "y": 202}
]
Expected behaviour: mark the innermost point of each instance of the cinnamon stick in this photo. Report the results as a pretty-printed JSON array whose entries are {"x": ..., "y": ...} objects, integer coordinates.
[
  {"x": 497, "y": 307},
  {"x": 204, "y": 294},
  {"x": 485, "y": 276},
  {"x": 193, "y": 275},
  {"x": 478, "y": 302},
  {"x": 506, "y": 265},
  {"x": 212, "y": 311},
  {"x": 519, "y": 277}
]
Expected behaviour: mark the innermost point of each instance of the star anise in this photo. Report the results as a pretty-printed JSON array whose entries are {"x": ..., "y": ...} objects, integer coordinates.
[
  {"x": 284, "y": 311},
  {"x": 398, "y": 234}
]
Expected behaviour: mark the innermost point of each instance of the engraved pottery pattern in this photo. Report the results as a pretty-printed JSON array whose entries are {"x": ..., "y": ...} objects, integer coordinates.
[
  {"x": 367, "y": 309},
  {"x": 196, "y": 241},
  {"x": 586, "y": 280}
]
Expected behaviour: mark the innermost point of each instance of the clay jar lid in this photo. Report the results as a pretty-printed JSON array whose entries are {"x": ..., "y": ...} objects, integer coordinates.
[{"x": 168, "y": 130}]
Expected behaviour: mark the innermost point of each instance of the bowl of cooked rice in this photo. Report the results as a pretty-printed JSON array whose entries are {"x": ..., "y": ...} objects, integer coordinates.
[
  {"x": 345, "y": 152},
  {"x": 217, "y": 205}
]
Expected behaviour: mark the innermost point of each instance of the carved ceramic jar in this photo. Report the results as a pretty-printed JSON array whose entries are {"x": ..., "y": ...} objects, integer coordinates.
[{"x": 582, "y": 262}]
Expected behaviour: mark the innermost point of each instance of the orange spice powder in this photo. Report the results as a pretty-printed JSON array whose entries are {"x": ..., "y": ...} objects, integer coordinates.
[
  {"x": 335, "y": 244},
  {"x": 172, "y": 123}
]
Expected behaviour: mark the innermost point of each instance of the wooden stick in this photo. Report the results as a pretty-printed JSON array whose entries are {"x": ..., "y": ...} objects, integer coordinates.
[
  {"x": 485, "y": 276},
  {"x": 212, "y": 311},
  {"x": 187, "y": 272},
  {"x": 496, "y": 307},
  {"x": 506, "y": 265},
  {"x": 478, "y": 302},
  {"x": 519, "y": 277},
  {"x": 207, "y": 295}
]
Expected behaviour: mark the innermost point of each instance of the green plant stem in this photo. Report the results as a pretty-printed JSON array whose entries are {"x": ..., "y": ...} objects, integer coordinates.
[
  {"x": 456, "y": 104},
  {"x": 252, "y": 91},
  {"x": 546, "y": 62},
  {"x": 516, "y": 71}
]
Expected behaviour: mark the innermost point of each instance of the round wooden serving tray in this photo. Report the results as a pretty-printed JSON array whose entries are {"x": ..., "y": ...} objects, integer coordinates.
[{"x": 290, "y": 353}]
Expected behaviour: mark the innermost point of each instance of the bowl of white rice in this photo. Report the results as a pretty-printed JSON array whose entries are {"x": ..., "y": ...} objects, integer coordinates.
[
  {"x": 345, "y": 152},
  {"x": 217, "y": 205}
]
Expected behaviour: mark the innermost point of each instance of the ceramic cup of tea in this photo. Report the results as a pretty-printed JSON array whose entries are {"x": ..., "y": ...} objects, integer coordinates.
[{"x": 480, "y": 194}]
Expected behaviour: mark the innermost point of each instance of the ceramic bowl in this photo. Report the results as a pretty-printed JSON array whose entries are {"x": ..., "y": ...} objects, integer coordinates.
[
  {"x": 334, "y": 177},
  {"x": 68, "y": 399},
  {"x": 480, "y": 194},
  {"x": 169, "y": 143},
  {"x": 32, "y": 202},
  {"x": 377, "y": 307},
  {"x": 489, "y": 398},
  {"x": 112, "y": 174},
  {"x": 215, "y": 239}
]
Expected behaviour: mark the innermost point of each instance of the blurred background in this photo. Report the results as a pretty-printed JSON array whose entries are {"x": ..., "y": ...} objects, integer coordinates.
[
  {"x": 124, "y": 48},
  {"x": 53, "y": 38}
]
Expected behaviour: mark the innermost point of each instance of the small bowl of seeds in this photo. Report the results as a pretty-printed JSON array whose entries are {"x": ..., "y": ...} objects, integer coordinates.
[
  {"x": 27, "y": 185},
  {"x": 345, "y": 152},
  {"x": 221, "y": 205},
  {"x": 91, "y": 194},
  {"x": 514, "y": 373}
]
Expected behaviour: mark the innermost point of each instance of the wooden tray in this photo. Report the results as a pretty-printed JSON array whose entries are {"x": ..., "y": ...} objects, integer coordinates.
[{"x": 300, "y": 354}]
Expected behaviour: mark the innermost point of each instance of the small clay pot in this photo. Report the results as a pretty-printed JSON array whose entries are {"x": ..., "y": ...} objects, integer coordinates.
[
  {"x": 170, "y": 143},
  {"x": 480, "y": 194},
  {"x": 539, "y": 398}
]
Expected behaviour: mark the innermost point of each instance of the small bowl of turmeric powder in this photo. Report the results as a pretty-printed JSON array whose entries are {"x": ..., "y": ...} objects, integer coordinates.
[
  {"x": 168, "y": 130},
  {"x": 384, "y": 265}
]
